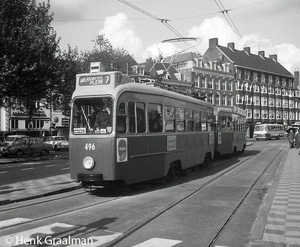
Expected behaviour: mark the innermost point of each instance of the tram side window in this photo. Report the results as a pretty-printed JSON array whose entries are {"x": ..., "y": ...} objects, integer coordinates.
[
  {"x": 140, "y": 115},
  {"x": 209, "y": 121},
  {"x": 169, "y": 119},
  {"x": 121, "y": 118},
  {"x": 229, "y": 123},
  {"x": 204, "y": 121},
  {"x": 155, "y": 118},
  {"x": 136, "y": 112},
  {"x": 235, "y": 124},
  {"x": 197, "y": 121},
  {"x": 189, "y": 118},
  {"x": 222, "y": 123},
  {"x": 131, "y": 115},
  {"x": 180, "y": 121}
]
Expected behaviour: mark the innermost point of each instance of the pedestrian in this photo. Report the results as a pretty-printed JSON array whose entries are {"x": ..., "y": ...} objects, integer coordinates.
[
  {"x": 297, "y": 140},
  {"x": 291, "y": 137}
]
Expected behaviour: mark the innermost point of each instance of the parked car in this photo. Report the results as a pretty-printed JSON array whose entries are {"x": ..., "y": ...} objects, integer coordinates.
[
  {"x": 11, "y": 138},
  {"x": 26, "y": 145},
  {"x": 57, "y": 142}
]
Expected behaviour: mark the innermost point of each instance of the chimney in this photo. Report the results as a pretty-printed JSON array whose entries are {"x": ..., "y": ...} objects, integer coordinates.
[
  {"x": 231, "y": 46},
  {"x": 247, "y": 49},
  {"x": 274, "y": 57},
  {"x": 296, "y": 79},
  {"x": 261, "y": 53},
  {"x": 213, "y": 42}
]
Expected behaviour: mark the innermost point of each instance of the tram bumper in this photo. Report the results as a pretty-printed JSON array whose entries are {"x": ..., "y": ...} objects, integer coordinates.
[{"x": 89, "y": 177}]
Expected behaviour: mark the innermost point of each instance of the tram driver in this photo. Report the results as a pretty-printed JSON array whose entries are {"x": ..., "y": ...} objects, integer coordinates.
[{"x": 102, "y": 122}]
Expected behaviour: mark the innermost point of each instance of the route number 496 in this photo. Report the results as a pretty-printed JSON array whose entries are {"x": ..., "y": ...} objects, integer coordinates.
[{"x": 90, "y": 146}]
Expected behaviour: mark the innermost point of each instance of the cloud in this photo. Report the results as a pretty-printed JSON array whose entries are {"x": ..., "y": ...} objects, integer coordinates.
[
  {"x": 120, "y": 33},
  {"x": 289, "y": 56},
  {"x": 164, "y": 49},
  {"x": 215, "y": 27}
]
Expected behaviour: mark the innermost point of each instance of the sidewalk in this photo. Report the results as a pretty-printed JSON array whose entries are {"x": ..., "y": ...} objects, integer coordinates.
[
  {"x": 281, "y": 225},
  {"x": 36, "y": 188}
]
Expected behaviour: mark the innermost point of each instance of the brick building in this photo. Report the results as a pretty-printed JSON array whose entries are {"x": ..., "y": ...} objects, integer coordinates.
[{"x": 261, "y": 85}]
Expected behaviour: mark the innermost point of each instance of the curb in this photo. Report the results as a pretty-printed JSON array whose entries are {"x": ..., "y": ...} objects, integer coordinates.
[
  {"x": 55, "y": 192},
  {"x": 4, "y": 161}
]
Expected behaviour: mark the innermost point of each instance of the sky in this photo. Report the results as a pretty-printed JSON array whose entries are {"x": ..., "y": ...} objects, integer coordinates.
[{"x": 263, "y": 25}]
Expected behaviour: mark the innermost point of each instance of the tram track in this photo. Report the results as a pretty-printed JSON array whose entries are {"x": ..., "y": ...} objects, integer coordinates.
[
  {"x": 154, "y": 216},
  {"x": 232, "y": 214},
  {"x": 55, "y": 214},
  {"x": 150, "y": 218}
]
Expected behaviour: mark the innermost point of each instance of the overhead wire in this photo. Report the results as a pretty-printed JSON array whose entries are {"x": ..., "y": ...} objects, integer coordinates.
[
  {"x": 229, "y": 20},
  {"x": 163, "y": 21}
]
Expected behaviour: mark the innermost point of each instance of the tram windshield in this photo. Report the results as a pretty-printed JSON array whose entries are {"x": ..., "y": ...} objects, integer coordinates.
[{"x": 92, "y": 115}]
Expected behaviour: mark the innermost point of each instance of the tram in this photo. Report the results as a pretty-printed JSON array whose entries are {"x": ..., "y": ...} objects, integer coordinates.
[
  {"x": 230, "y": 130},
  {"x": 126, "y": 132}
]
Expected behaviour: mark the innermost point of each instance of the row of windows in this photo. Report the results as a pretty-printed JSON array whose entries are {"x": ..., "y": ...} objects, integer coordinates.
[
  {"x": 264, "y": 89},
  {"x": 226, "y": 123},
  {"x": 26, "y": 124},
  {"x": 156, "y": 118},
  {"x": 264, "y": 101},
  {"x": 264, "y": 114}
]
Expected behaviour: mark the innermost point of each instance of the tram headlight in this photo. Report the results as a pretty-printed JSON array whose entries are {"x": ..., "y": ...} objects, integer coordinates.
[{"x": 88, "y": 163}]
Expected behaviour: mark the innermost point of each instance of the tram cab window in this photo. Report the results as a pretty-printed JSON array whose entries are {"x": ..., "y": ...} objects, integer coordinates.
[
  {"x": 155, "y": 118},
  {"x": 169, "y": 119},
  {"x": 92, "y": 115},
  {"x": 180, "y": 121},
  {"x": 121, "y": 118}
]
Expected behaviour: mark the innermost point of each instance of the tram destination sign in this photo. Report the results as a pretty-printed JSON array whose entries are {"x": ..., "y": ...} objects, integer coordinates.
[{"x": 94, "y": 80}]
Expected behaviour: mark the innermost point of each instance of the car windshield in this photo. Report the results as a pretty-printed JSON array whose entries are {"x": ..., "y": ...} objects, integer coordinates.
[
  {"x": 20, "y": 141},
  {"x": 10, "y": 138},
  {"x": 60, "y": 138}
]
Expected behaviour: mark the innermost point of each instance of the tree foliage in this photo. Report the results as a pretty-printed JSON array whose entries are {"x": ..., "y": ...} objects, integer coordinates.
[
  {"x": 28, "y": 53},
  {"x": 32, "y": 67},
  {"x": 113, "y": 59}
]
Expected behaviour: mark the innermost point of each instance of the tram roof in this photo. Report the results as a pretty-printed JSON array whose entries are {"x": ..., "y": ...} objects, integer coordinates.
[
  {"x": 137, "y": 88},
  {"x": 145, "y": 89}
]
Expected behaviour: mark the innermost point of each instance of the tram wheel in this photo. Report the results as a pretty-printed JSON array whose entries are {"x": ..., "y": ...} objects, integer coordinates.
[{"x": 174, "y": 172}]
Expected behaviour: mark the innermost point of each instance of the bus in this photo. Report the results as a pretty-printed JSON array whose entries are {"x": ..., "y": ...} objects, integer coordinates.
[
  {"x": 231, "y": 130},
  {"x": 268, "y": 131},
  {"x": 125, "y": 132}
]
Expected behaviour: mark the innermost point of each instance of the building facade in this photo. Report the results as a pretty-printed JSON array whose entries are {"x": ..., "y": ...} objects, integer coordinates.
[
  {"x": 262, "y": 86},
  {"x": 256, "y": 83},
  {"x": 44, "y": 122}
]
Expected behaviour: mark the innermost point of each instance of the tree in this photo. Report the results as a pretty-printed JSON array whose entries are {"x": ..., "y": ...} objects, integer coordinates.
[
  {"x": 112, "y": 59},
  {"x": 71, "y": 63},
  {"x": 28, "y": 54}
]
